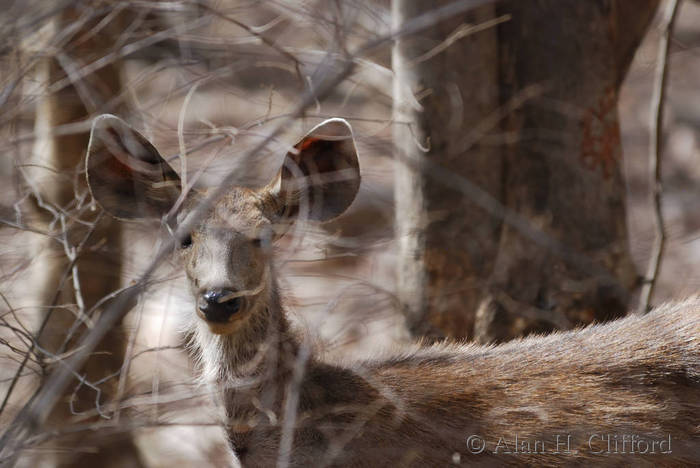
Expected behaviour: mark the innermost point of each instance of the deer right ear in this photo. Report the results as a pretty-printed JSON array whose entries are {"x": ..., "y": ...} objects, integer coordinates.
[
  {"x": 126, "y": 174},
  {"x": 323, "y": 171}
]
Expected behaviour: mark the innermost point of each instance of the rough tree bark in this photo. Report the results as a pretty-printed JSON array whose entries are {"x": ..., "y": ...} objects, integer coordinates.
[
  {"x": 558, "y": 67},
  {"x": 443, "y": 97},
  {"x": 77, "y": 37},
  {"x": 564, "y": 173}
]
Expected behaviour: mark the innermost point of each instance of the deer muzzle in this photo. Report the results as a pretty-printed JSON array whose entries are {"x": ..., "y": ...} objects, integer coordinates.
[{"x": 218, "y": 305}]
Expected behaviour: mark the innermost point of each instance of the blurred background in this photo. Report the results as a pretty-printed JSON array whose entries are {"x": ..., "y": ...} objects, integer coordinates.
[{"x": 206, "y": 81}]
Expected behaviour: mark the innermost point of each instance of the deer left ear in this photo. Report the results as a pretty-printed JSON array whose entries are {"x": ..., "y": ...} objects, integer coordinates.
[
  {"x": 320, "y": 177},
  {"x": 125, "y": 173}
]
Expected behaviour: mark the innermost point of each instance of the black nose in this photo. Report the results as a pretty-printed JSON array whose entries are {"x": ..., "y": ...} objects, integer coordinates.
[{"x": 216, "y": 307}]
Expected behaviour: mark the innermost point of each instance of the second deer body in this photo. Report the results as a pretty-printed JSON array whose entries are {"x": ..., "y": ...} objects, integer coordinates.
[{"x": 602, "y": 394}]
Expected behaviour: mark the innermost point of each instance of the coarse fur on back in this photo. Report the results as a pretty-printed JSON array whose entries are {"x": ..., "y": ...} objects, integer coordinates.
[{"x": 614, "y": 394}]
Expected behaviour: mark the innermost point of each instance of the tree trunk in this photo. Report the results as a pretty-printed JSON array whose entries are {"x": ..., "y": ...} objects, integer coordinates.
[
  {"x": 443, "y": 99},
  {"x": 563, "y": 174},
  {"x": 57, "y": 180},
  {"x": 544, "y": 87}
]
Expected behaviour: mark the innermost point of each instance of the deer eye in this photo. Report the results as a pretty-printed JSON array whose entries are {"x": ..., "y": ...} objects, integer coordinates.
[
  {"x": 262, "y": 238},
  {"x": 186, "y": 241}
]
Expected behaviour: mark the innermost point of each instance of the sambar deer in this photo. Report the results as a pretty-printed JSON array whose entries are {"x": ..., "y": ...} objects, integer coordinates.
[{"x": 624, "y": 392}]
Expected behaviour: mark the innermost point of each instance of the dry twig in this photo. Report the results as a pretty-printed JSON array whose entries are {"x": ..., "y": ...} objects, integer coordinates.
[{"x": 655, "y": 151}]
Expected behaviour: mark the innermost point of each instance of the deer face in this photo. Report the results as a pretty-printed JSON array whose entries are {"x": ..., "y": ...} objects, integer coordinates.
[
  {"x": 227, "y": 255},
  {"x": 226, "y": 259}
]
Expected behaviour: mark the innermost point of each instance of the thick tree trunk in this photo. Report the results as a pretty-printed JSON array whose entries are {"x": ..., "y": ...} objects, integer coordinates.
[
  {"x": 58, "y": 182},
  {"x": 563, "y": 174},
  {"x": 561, "y": 257},
  {"x": 443, "y": 99}
]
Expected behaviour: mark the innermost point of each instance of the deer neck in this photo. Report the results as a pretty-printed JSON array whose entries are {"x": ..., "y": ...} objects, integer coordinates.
[
  {"x": 263, "y": 348},
  {"x": 251, "y": 369}
]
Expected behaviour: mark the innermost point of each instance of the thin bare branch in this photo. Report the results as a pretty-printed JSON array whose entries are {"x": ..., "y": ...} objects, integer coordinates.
[{"x": 655, "y": 151}]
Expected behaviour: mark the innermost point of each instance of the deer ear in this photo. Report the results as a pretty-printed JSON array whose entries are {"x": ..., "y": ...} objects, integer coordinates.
[
  {"x": 125, "y": 173},
  {"x": 320, "y": 177}
]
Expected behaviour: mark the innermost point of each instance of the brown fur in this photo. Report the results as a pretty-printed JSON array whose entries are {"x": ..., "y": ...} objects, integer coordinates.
[
  {"x": 639, "y": 376},
  {"x": 635, "y": 381}
]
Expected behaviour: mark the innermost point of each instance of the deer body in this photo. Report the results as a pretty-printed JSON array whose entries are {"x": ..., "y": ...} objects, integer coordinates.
[
  {"x": 639, "y": 377},
  {"x": 601, "y": 394}
]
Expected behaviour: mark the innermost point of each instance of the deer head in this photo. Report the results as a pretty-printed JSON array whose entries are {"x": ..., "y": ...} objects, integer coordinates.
[{"x": 227, "y": 256}]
